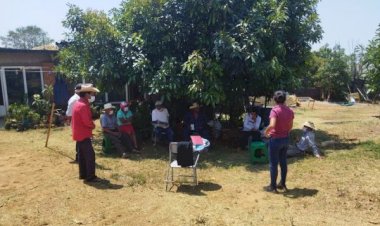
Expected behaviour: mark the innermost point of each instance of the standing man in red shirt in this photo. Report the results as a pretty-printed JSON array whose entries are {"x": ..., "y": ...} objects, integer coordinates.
[{"x": 82, "y": 126}]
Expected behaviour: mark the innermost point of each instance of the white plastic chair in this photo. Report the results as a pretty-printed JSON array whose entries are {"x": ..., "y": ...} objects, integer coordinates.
[{"x": 173, "y": 163}]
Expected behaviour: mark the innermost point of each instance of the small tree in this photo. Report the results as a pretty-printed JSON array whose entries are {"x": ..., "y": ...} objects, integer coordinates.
[
  {"x": 26, "y": 38},
  {"x": 333, "y": 76},
  {"x": 372, "y": 64}
]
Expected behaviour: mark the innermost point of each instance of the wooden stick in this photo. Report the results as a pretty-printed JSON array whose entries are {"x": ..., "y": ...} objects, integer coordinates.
[{"x": 50, "y": 121}]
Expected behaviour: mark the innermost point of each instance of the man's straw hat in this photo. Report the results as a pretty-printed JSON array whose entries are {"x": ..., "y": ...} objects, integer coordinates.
[
  {"x": 108, "y": 106},
  {"x": 158, "y": 103},
  {"x": 194, "y": 105},
  {"x": 88, "y": 88},
  {"x": 309, "y": 125}
]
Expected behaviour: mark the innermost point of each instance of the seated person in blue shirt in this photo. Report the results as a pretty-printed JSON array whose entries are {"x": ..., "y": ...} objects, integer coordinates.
[
  {"x": 121, "y": 141},
  {"x": 305, "y": 143},
  {"x": 251, "y": 126},
  {"x": 195, "y": 122},
  {"x": 160, "y": 121}
]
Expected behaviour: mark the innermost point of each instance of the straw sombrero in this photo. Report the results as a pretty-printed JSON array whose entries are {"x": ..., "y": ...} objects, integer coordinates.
[
  {"x": 309, "y": 124},
  {"x": 88, "y": 88},
  {"x": 108, "y": 106},
  {"x": 194, "y": 105}
]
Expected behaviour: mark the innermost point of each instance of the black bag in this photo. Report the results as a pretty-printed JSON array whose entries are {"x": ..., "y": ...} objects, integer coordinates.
[{"x": 185, "y": 154}]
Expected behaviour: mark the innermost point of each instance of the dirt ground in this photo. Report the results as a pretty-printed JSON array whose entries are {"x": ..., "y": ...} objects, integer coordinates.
[{"x": 38, "y": 186}]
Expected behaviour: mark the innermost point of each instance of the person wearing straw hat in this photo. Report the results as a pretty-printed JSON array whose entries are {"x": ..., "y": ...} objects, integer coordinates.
[
  {"x": 305, "y": 143},
  {"x": 195, "y": 122},
  {"x": 82, "y": 126},
  {"x": 160, "y": 121},
  {"x": 121, "y": 141}
]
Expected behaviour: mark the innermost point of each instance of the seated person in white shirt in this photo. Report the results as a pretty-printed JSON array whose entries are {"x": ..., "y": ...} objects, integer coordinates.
[
  {"x": 305, "y": 143},
  {"x": 251, "y": 127},
  {"x": 160, "y": 121}
]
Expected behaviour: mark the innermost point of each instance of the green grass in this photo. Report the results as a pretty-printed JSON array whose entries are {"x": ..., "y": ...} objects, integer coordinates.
[{"x": 372, "y": 147}]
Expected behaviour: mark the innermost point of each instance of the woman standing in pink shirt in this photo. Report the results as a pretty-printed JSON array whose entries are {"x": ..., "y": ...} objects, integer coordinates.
[{"x": 281, "y": 122}]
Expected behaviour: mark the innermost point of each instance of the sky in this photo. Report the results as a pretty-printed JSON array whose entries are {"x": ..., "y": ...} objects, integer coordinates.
[{"x": 345, "y": 22}]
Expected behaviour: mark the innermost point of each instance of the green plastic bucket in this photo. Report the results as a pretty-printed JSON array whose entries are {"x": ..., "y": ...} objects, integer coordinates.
[{"x": 258, "y": 152}]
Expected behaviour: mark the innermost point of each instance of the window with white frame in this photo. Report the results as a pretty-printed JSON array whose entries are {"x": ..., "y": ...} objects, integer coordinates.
[{"x": 21, "y": 83}]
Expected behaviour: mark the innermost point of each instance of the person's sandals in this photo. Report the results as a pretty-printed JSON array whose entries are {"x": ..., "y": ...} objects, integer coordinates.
[
  {"x": 94, "y": 179},
  {"x": 270, "y": 189}
]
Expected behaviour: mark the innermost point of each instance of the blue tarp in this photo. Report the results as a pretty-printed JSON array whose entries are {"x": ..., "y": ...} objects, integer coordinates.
[{"x": 61, "y": 94}]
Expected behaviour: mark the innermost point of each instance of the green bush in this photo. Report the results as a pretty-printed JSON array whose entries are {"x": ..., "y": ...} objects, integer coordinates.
[
  {"x": 21, "y": 117},
  {"x": 40, "y": 105}
]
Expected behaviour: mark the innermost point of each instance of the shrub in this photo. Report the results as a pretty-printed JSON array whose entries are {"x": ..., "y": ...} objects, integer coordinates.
[
  {"x": 40, "y": 105},
  {"x": 21, "y": 117}
]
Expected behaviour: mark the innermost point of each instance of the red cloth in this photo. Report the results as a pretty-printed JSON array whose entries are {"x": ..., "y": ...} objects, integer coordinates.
[
  {"x": 81, "y": 121},
  {"x": 127, "y": 129},
  {"x": 284, "y": 118}
]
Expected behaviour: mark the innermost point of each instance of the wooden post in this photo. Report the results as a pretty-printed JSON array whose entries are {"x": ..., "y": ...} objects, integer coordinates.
[{"x": 50, "y": 121}]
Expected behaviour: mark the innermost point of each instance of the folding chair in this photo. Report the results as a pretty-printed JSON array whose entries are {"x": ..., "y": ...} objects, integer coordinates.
[
  {"x": 156, "y": 135},
  {"x": 184, "y": 157}
]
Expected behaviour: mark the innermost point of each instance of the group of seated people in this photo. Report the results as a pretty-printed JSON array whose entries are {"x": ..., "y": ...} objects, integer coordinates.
[
  {"x": 253, "y": 127},
  {"x": 119, "y": 129}
]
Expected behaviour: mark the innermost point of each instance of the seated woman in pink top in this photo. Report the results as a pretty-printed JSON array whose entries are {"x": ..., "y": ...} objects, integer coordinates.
[{"x": 281, "y": 122}]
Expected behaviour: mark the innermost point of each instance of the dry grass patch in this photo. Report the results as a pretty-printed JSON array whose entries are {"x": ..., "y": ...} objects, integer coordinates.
[{"x": 38, "y": 186}]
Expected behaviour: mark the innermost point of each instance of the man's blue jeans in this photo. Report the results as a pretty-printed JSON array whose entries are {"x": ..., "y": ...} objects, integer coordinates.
[
  {"x": 161, "y": 132},
  {"x": 277, "y": 154}
]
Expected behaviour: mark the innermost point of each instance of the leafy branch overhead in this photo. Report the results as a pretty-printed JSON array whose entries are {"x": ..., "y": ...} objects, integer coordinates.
[{"x": 219, "y": 52}]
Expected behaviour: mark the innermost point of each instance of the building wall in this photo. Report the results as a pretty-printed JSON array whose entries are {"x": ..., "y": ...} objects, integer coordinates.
[
  {"x": 24, "y": 59},
  {"x": 11, "y": 57}
]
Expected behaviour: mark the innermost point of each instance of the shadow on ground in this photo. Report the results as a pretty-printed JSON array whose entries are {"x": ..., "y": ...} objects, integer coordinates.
[
  {"x": 300, "y": 193},
  {"x": 199, "y": 189},
  {"x": 98, "y": 166},
  {"x": 104, "y": 185},
  {"x": 221, "y": 155}
]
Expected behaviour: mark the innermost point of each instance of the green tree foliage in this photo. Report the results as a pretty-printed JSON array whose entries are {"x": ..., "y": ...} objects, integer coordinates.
[
  {"x": 26, "y": 38},
  {"x": 372, "y": 64},
  {"x": 333, "y": 73},
  {"x": 96, "y": 50},
  {"x": 219, "y": 51}
]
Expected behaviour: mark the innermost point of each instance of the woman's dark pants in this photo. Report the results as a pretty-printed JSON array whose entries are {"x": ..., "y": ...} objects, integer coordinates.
[{"x": 277, "y": 155}]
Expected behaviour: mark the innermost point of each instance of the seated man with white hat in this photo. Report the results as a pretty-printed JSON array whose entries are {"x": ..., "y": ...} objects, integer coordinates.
[
  {"x": 121, "y": 141},
  {"x": 195, "y": 122},
  {"x": 160, "y": 121},
  {"x": 306, "y": 142}
]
